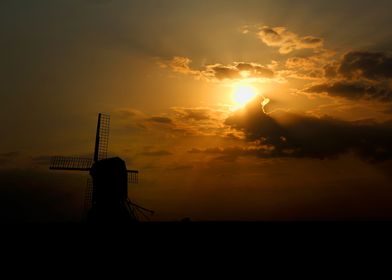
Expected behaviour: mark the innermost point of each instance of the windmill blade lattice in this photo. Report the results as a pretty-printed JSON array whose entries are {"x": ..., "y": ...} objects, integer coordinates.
[
  {"x": 70, "y": 163},
  {"x": 102, "y": 137},
  {"x": 133, "y": 176}
]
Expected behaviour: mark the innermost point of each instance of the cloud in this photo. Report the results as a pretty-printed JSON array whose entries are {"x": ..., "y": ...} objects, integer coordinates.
[
  {"x": 293, "y": 135},
  {"x": 232, "y": 153},
  {"x": 8, "y": 159},
  {"x": 181, "y": 65},
  {"x": 127, "y": 114},
  {"x": 188, "y": 121},
  {"x": 194, "y": 113},
  {"x": 238, "y": 70},
  {"x": 330, "y": 70},
  {"x": 180, "y": 167},
  {"x": 10, "y": 154},
  {"x": 203, "y": 121},
  {"x": 197, "y": 113},
  {"x": 177, "y": 122},
  {"x": 358, "y": 75},
  {"x": 42, "y": 160},
  {"x": 156, "y": 153},
  {"x": 369, "y": 65},
  {"x": 308, "y": 68},
  {"x": 162, "y": 120},
  {"x": 355, "y": 90},
  {"x": 288, "y": 41},
  {"x": 388, "y": 109},
  {"x": 29, "y": 195},
  {"x": 220, "y": 72}
]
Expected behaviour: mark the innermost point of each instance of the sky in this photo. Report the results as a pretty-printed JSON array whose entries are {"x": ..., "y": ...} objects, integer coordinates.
[{"x": 252, "y": 110}]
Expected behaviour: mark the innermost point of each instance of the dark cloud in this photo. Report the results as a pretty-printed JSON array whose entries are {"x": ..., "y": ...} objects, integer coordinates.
[
  {"x": 127, "y": 113},
  {"x": 180, "y": 167},
  {"x": 292, "y": 135},
  {"x": 207, "y": 151},
  {"x": 330, "y": 70},
  {"x": 42, "y": 160},
  {"x": 222, "y": 72},
  {"x": 232, "y": 153},
  {"x": 156, "y": 153},
  {"x": 388, "y": 110},
  {"x": 7, "y": 158},
  {"x": 355, "y": 90},
  {"x": 308, "y": 67},
  {"x": 358, "y": 75},
  {"x": 256, "y": 70},
  {"x": 9, "y": 154},
  {"x": 311, "y": 41},
  {"x": 370, "y": 65},
  {"x": 195, "y": 114},
  {"x": 35, "y": 196},
  {"x": 201, "y": 121},
  {"x": 164, "y": 120}
]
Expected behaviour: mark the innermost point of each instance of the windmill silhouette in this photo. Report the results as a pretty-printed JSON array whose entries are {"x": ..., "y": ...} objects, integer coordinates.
[{"x": 108, "y": 191}]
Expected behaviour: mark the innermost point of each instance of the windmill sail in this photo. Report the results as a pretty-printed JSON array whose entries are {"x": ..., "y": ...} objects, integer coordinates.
[
  {"x": 133, "y": 176},
  {"x": 70, "y": 163},
  {"x": 102, "y": 137}
]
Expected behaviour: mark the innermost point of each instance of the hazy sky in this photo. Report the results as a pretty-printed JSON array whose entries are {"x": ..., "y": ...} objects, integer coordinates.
[{"x": 230, "y": 110}]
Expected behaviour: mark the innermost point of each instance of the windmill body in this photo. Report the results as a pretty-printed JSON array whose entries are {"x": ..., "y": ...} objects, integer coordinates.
[
  {"x": 110, "y": 191},
  {"x": 109, "y": 195}
]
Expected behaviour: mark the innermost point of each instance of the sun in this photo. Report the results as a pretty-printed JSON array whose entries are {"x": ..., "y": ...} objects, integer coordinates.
[{"x": 242, "y": 94}]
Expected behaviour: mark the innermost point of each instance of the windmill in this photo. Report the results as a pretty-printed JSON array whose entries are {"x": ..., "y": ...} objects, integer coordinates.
[{"x": 108, "y": 191}]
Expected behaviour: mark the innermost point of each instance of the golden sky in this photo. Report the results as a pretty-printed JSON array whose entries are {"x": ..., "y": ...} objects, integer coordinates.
[{"x": 230, "y": 110}]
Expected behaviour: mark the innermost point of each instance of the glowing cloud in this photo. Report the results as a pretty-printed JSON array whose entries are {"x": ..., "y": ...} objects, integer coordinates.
[{"x": 288, "y": 41}]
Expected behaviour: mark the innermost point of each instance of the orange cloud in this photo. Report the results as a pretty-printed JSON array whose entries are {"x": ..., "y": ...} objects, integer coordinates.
[
  {"x": 288, "y": 41},
  {"x": 220, "y": 72}
]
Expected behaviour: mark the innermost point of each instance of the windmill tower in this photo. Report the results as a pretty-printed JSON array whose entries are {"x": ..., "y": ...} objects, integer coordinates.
[{"x": 110, "y": 177}]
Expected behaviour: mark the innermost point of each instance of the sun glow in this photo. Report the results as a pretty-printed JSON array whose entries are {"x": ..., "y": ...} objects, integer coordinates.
[{"x": 242, "y": 94}]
